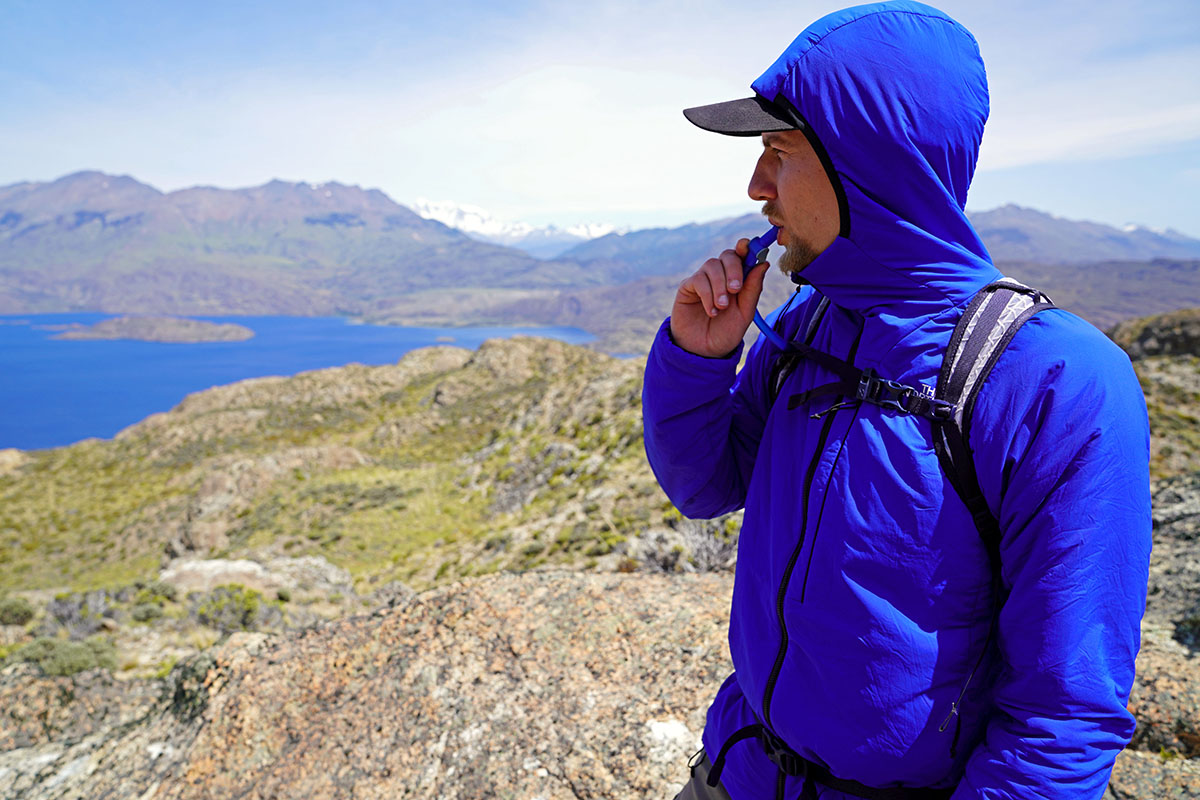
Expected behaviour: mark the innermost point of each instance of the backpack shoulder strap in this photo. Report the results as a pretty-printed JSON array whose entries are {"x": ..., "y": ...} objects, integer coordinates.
[
  {"x": 786, "y": 361},
  {"x": 985, "y": 329}
]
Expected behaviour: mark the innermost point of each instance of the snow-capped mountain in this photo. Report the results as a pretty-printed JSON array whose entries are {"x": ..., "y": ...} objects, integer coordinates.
[{"x": 543, "y": 242}]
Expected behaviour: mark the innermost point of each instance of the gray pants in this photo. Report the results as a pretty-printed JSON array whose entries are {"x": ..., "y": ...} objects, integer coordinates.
[{"x": 697, "y": 788}]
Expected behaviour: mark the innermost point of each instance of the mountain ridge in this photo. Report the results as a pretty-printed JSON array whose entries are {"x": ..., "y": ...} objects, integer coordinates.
[
  {"x": 96, "y": 242},
  {"x": 92, "y": 241},
  {"x": 1010, "y": 232}
]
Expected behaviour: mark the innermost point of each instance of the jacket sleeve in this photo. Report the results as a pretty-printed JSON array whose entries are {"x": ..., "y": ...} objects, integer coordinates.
[
  {"x": 1063, "y": 459},
  {"x": 702, "y": 422}
]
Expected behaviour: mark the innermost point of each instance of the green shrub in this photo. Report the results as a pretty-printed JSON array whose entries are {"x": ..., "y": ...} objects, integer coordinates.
[
  {"x": 156, "y": 592},
  {"x": 15, "y": 611},
  {"x": 144, "y": 612},
  {"x": 61, "y": 657},
  {"x": 231, "y": 607},
  {"x": 284, "y": 595},
  {"x": 601, "y": 548},
  {"x": 165, "y": 667}
]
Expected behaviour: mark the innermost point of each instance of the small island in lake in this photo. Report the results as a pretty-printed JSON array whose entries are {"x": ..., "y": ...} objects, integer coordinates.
[{"x": 159, "y": 329}]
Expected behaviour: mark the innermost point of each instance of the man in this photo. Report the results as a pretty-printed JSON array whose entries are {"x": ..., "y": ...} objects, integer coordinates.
[{"x": 877, "y": 652}]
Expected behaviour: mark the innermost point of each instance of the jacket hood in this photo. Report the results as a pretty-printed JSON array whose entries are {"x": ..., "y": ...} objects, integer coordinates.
[{"x": 896, "y": 95}]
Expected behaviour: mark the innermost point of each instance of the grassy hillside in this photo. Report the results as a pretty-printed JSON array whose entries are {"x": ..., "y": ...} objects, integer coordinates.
[
  {"x": 525, "y": 454},
  {"x": 446, "y": 464}
]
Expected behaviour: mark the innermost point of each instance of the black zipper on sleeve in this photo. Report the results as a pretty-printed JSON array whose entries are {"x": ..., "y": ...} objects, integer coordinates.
[{"x": 769, "y": 691}]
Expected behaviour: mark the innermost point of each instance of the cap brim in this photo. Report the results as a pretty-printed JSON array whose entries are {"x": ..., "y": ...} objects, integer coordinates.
[{"x": 749, "y": 116}]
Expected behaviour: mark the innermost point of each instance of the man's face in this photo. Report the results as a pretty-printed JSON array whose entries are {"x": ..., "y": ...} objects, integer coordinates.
[{"x": 797, "y": 196}]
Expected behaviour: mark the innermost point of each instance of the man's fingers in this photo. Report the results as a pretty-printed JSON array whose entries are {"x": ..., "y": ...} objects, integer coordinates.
[
  {"x": 700, "y": 285},
  {"x": 719, "y": 280},
  {"x": 714, "y": 305},
  {"x": 715, "y": 270},
  {"x": 732, "y": 265}
]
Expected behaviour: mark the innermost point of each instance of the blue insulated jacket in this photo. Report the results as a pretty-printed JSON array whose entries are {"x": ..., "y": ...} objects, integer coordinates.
[{"x": 863, "y": 595}]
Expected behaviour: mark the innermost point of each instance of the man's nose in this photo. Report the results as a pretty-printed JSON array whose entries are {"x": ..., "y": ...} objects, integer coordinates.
[{"x": 762, "y": 184}]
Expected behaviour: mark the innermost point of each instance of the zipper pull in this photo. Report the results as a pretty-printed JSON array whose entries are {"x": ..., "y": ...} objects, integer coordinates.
[
  {"x": 834, "y": 407},
  {"x": 957, "y": 727},
  {"x": 946, "y": 722}
]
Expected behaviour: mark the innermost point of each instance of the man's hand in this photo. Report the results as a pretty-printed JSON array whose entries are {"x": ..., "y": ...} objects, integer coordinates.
[{"x": 715, "y": 306}]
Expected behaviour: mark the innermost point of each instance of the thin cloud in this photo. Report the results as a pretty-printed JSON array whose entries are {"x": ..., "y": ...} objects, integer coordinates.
[{"x": 540, "y": 110}]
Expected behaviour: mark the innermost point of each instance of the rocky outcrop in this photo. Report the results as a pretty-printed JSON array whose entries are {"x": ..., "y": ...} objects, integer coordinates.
[
  {"x": 37, "y": 710},
  {"x": 226, "y": 487},
  {"x": 11, "y": 460},
  {"x": 551, "y": 684},
  {"x": 308, "y": 575},
  {"x": 1173, "y": 334},
  {"x": 1150, "y": 776},
  {"x": 1174, "y": 592},
  {"x": 1166, "y": 695}
]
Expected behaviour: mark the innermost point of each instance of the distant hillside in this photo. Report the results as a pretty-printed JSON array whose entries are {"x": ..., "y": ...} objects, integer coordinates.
[
  {"x": 96, "y": 242},
  {"x": 1013, "y": 233},
  {"x": 625, "y": 317},
  {"x": 91, "y": 241},
  {"x": 1103, "y": 290},
  {"x": 1107, "y": 292},
  {"x": 664, "y": 251}
]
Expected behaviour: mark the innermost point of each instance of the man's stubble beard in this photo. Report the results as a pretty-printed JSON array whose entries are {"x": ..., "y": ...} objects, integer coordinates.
[
  {"x": 796, "y": 256},
  {"x": 797, "y": 253}
]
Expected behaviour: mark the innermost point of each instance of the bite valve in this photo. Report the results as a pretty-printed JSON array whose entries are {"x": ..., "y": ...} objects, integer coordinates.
[
  {"x": 755, "y": 255},
  {"x": 758, "y": 247}
]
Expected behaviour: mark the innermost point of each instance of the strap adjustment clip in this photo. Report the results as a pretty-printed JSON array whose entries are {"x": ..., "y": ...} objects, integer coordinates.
[
  {"x": 900, "y": 397},
  {"x": 883, "y": 392}
]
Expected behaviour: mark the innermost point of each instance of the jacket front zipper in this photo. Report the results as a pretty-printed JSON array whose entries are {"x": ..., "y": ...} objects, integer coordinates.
[{"x": 773, "y": 678}]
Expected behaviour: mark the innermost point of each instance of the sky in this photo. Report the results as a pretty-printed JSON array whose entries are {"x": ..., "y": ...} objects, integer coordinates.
[{"x": 555, "y": 112}]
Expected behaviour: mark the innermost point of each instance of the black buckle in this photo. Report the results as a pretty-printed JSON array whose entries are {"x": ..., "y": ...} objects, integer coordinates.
[
  {"x": 883, "y": 392},
  {"x": 788, "y": 760},
  {"x": 899, "y": 397}
]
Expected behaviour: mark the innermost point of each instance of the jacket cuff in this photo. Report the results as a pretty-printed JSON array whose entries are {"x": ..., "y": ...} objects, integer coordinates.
[
  {"x": 665, "y": 339},
  {"x": 679, "y": 382}
]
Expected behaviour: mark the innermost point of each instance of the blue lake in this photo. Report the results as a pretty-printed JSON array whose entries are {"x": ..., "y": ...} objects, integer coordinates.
[{"x": 55, "y": 392}]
